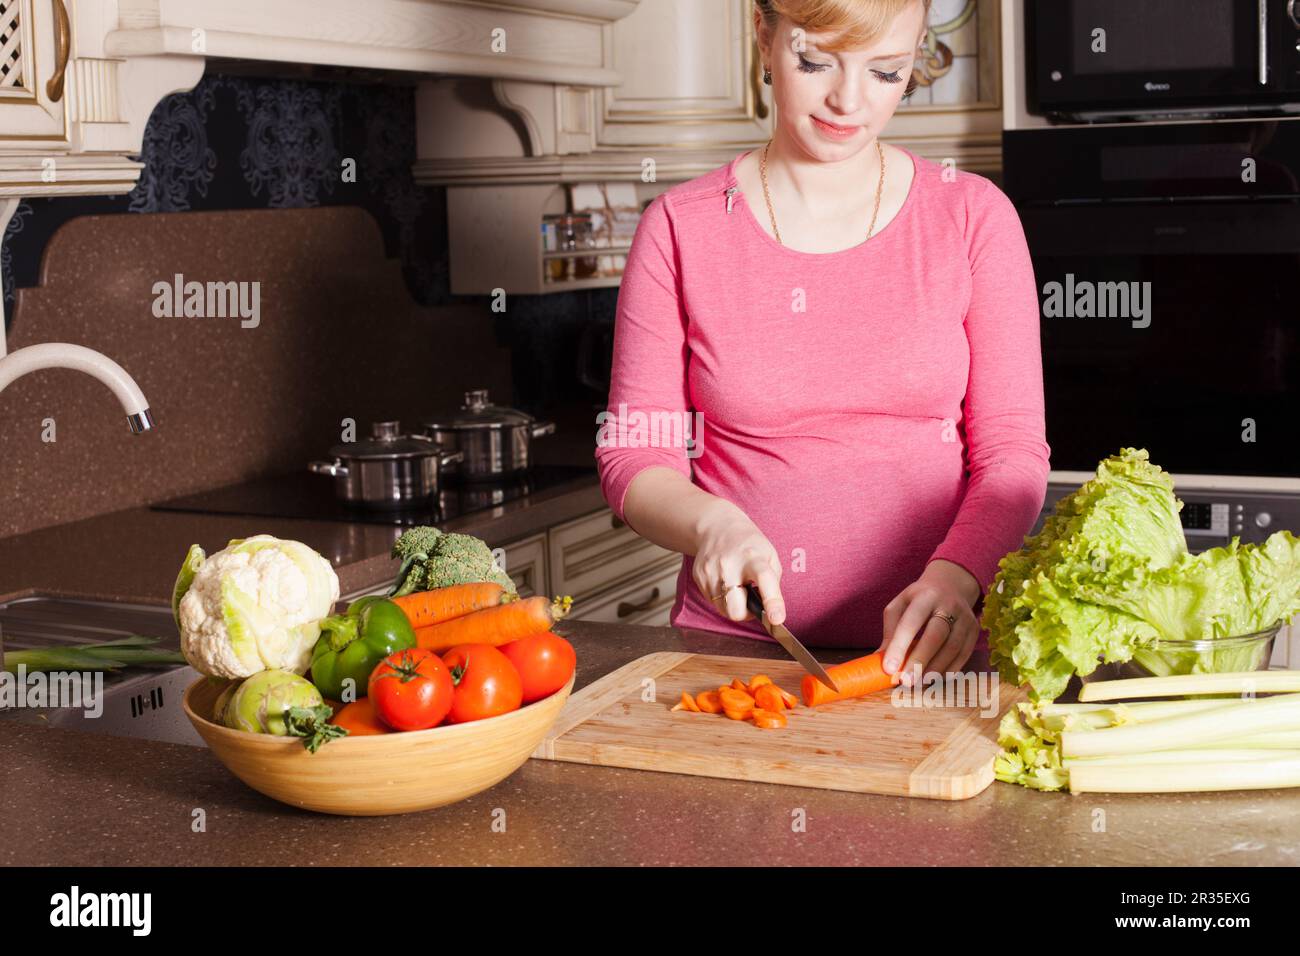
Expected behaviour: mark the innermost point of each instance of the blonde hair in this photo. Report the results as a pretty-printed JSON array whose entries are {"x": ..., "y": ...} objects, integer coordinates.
[{"x": 852, "y": 23}]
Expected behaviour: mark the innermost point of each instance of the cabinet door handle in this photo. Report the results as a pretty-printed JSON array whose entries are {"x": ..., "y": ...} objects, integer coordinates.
[
  {"x": 62, "y": 49},
  {"x": 626, "y": 608},
  {"x": 616, "y": 522},
  {"x": 756, "y": 83}
]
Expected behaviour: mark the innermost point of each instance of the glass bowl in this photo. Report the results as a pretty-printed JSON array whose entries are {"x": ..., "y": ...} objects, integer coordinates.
[{"x": 1247, "y": 652}]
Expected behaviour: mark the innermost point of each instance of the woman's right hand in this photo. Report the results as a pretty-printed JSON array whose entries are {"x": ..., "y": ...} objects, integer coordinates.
[{"x": 730, "y": 551}]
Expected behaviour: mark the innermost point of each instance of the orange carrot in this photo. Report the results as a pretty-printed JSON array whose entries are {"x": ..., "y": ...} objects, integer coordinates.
[
  {"x": 757, "y": 681},
  {"x": 736, "y": 704},
  {"x": 738, "y": 684},
  {"x": 495, "y": 625},
  {"x": 359, "y": 719},
  {"x": 790, "y": 701},
  {"x": 768, "y": 697},
  {"x": 768, "y": 719},
  {"x": 855, "y": 678},
  {"x": 687, "y": 703},
  {"x": 709, "y": 702},
  {"x": 426, "y": 608}
]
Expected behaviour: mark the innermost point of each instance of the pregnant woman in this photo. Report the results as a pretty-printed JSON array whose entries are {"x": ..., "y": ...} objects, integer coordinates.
[{"x": 827, "y": 378}]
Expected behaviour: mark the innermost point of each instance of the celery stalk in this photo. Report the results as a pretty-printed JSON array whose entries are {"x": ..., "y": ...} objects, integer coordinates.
[
  {"x": 1186, "y": 777},
  {"x": 1100, "y": 716},
  {"x": 1205, "y": 726},
  {"x": 1178, "y": 756},
  {"x": 1263, "y": 682}
]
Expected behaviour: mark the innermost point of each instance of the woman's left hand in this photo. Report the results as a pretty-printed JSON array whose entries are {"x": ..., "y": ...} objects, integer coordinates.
[{"x": 943, "y": 586}]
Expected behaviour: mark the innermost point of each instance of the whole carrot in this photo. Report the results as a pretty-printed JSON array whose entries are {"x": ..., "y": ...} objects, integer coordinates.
[
  {"x": 426, "y": 608},
  {"x": 495, "y": 625},
  {"x": 855, "y": 678}
]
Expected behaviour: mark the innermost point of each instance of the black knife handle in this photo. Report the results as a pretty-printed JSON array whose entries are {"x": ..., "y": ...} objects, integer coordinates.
[{"x": 754, "y": 601}]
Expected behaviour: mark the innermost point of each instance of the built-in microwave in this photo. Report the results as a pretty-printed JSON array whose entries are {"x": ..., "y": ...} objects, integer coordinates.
[{"x": 1114, "y": 60}]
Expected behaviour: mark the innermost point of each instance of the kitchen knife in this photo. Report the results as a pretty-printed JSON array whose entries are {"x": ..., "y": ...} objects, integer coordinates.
[{"x": 781, "y": 634}]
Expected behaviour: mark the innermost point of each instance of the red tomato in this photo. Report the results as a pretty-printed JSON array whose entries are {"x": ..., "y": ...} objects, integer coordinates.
[
  {"x": 411, "y": 689},
  {"x": 487, "y": 684},
  {"x": 545, "y": 663}
]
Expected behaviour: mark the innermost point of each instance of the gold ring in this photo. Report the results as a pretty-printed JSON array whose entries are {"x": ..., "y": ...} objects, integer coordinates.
[
  {"x": 725, "y": 589},
  {"x": 949, "y": 619}
]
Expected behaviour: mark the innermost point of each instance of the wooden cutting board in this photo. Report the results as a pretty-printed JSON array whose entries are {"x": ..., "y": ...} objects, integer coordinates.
[{"x": 868, "y": 745}]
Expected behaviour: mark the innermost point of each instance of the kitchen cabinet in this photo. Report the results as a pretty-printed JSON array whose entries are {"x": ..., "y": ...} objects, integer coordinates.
[
  {"x": 645, "y": 599},
  {"x": 691, "y": 78},
  {"x": 597, "y": 553},
  {"x": 525, "y": 562},
  {"x": 35, "y": 41},
  {"x": 72, "y": 115}
]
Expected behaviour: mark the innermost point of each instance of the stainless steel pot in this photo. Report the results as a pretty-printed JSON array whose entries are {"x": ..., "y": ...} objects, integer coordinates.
[
  {"x": 389, "y": 470},
  {"x": 496, "y": 441}
]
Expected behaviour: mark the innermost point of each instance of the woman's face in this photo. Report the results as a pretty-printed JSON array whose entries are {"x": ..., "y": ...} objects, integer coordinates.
[{"x": 855, "y": 90}]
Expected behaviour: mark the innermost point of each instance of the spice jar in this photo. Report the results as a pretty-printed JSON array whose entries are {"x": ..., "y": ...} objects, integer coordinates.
[{"x": 576, "y": 236}]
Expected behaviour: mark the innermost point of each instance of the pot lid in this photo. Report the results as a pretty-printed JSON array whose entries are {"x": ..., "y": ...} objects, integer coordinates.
[
  {"x": 479, "y": 412},
  {"x": 386, "y": 441}
]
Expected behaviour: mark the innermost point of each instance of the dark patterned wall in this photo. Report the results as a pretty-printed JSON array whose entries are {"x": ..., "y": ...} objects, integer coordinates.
[{"x": 242, "y": 143}]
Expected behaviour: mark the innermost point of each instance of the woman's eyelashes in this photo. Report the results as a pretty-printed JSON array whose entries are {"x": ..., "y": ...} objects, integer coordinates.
[{"x": 808, "y": 66}]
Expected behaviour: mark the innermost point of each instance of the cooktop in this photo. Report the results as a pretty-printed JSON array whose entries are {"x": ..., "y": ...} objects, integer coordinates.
[{"x": 302, "y": 495}]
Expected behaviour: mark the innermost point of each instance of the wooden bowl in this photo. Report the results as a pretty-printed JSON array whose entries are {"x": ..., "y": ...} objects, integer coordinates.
[{"x": 382, "y": 774}]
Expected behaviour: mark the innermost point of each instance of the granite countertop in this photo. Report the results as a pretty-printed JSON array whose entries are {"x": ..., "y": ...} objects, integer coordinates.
[{"x": 78, "y": 799}]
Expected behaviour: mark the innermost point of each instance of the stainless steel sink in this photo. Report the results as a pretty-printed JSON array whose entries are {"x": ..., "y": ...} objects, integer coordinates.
[{"x": 138, "y": 701}]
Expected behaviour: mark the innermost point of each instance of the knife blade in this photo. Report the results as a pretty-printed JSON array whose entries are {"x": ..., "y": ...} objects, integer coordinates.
[{"x": 781, "y": 634}]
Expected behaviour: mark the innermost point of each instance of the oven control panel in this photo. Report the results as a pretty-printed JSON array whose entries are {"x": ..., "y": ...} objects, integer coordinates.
[{"x": 1212, "y": 518}]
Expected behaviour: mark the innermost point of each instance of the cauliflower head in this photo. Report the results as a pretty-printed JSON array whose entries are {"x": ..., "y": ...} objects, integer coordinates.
[{"x": 255, "y": 605}]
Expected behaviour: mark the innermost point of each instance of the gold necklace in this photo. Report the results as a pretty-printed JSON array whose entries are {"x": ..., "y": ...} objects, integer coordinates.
[{"x": 880, "y": 188}]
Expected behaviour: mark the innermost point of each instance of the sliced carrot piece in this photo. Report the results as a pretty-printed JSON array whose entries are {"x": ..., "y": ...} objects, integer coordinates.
[
  {"x": 790, "y": 700},
  {"x": 709, "y": 701},
  {"x": 768, "y": 720},
  {"x": 757, "y": 681},
  {"x": 738, "y": 684},
  {"x": 736, "y": 704},
  {"x": 768, "y": 697},
  {"x": 736, "y": 698}
]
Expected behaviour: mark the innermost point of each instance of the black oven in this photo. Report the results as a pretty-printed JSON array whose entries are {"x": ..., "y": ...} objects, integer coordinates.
[
  {"x": 1112, "y": 60},
  {"x": 1167, "y": 260}
]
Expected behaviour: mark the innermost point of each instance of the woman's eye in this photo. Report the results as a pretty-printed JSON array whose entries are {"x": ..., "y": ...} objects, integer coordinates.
[
  {"x": 808, "y": 66},
  {"x": 894, "y": 77}
]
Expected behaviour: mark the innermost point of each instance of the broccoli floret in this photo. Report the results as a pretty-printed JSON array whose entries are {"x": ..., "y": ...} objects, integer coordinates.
[
  {"x": 432, "y": 559},
  {"x": 416, "y": 543}
]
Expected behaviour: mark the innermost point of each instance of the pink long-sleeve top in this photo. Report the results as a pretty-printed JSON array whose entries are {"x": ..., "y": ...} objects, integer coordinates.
[{"x": 870, "y": 409}]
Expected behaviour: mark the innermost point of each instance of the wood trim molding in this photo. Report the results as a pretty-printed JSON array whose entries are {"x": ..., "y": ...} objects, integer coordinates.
[
  {"x": 30, "y": 176},
  {"x": 673, "y": 164},
  {"x": 545, "y": 41}
]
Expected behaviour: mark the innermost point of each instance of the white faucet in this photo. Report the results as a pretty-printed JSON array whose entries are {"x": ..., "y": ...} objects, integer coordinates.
[{"x": 63, "y": 355}]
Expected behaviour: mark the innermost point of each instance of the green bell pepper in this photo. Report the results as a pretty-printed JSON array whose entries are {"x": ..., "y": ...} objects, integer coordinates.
[{"x": 351, "y": 644}]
